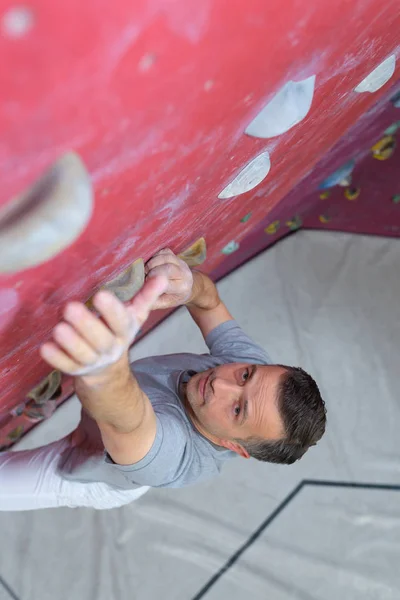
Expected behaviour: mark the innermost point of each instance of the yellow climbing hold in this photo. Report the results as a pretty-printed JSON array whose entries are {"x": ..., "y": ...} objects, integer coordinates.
[
  {"x": 16, "y": 433},
  {"x": 324, "y": 218},
  {"x": 196, "y": 254},
  {"x": 325, "y": 195},
  {"x": 272, "y": 228},
  {"x": 384, "y": 149},
  {"x": 352, "y": 193}
]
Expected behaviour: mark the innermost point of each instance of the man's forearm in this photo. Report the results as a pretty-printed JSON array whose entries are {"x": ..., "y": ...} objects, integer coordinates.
[
  {"x": 113, "y": 399},
  {"x": 204, "y": 293}
]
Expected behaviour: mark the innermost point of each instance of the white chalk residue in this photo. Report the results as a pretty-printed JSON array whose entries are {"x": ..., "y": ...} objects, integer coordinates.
[
  {"x": 17, "y": 21},
  {"x": 286, "y": 109},
  {"x": 249, "y": 177},
  {"x": 378, "y": 77}
]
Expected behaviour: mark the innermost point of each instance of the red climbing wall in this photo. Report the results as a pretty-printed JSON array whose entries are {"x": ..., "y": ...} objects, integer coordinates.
[{"x": 159, "y": 98}]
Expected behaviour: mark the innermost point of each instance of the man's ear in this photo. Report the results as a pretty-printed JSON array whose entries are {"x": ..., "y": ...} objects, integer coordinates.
[{"x": 234, "y": 447}]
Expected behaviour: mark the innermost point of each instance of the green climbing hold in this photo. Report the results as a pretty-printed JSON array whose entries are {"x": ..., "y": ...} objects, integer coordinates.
[
  {"x": 393, "y": 128},
  {"x": 396, "y": 199},
  {"x": 246, "y": 218},
  {"x": 294, "y": 223},
  {"x": 230, "y": 248}
]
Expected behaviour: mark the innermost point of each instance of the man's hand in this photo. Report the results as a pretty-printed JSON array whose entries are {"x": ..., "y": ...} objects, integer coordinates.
[
  {"x": 86, "y": 344},
  {"x": 180, "y": 278}
]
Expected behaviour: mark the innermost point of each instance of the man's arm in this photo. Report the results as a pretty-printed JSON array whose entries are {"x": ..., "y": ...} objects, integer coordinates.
[
  {"x": 122, "y": 411},
  {"x": 205, "y": 306},
  {"x": 95, "y": 352}
]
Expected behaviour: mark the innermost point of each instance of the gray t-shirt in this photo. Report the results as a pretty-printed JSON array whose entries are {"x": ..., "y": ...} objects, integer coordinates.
[{"x": 180, "y": 455}]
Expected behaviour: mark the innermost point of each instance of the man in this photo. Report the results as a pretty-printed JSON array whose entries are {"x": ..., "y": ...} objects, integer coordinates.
[{"x": 165, "y": 421}]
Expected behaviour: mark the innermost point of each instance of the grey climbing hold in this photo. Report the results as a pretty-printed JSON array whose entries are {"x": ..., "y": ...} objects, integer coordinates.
[
  {"x": 48, "y": 217},
  {"x": 249, "y": 177}
]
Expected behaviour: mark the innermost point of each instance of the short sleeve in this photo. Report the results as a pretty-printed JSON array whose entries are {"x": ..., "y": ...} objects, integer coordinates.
[
  {"x": 172, "y": 460},
  {"x": 229, "y": 342}
]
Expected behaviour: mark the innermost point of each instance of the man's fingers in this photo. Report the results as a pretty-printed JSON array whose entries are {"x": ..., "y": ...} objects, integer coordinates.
[
  {"x": 70, "y": 341},
  {"x": 165, "y": 301},
  {"x": 95, "y": 333},
  {"x": 57, "y": 359},
  {"x": 146, "y": 298},
  {"x": 115, "y": 314},
  {"x": 166, "y": 258},
  {"x": 172, "y": 272}
]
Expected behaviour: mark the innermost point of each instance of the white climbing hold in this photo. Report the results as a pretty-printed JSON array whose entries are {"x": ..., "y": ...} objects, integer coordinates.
[
  {"x": 47, "y": 218},
  {"x": 286, "y": 109},
  {"x": 249, "y": 177},
  {"x": 378, "y": 77}
]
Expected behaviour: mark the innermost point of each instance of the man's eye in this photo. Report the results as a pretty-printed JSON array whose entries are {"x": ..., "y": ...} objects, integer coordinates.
[
  {"x": 246, "y": 375},
  {"x": 237, "y": 411}
]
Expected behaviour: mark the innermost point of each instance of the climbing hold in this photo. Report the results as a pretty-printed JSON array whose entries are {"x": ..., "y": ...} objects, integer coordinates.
[
  {"x": 352, "y": 193},
  {"x": 378, "y": 77},
  {"x": 392, "y": 128},
  {"x": 325, "y": 195},
  {"x": 196, "y": 254},
  {"x": 249, "y": 177},
  {"x": 341, "y": 176},
  {"x": 16, "y": 433},
  {"x": 230, "y": 248},
  {"x": 288, "y": 107},
  {"x": 127, "y": 283},
  {"x": 48, "y": 389},
  {"x": 384, "y": 149},
  {"x": 324, "y": 218},
  {"x": 47, "y": 218},
  {"x": 396, "y": 199},
  {"x": 294, "y": 223},
  {"x": 246, "y": 218},
  {"x": 35, "y": 412},
  {"x": 396, "y": 100},
  {"x": 272, "y": 228}
]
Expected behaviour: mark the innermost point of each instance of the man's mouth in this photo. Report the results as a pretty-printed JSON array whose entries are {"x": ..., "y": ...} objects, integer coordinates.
[{"x": 203, "y": 385}]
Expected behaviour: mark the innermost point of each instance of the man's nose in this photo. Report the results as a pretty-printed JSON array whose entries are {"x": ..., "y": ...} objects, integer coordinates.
[{"x": 223, "y": 386}]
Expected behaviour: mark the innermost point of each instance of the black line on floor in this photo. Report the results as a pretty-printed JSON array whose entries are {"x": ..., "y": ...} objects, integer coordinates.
[
  {"x": 249, "y": 542},
  {"x": 387, "y": 487},
  {"x": 8, "y": 589}
]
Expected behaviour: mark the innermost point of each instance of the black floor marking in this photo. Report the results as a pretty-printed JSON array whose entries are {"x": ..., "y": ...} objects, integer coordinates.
[
  {"x": 8, "y": 589},
  {"x": 306, "y": 482}
]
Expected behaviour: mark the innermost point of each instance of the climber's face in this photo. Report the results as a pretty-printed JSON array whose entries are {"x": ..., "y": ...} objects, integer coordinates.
[{"x": 236, "y": 401}]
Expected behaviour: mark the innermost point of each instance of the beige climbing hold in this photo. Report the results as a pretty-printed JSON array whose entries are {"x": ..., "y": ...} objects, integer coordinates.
[
  {"x": 49, "y": 386},
  {"x": 125, "y": 285},
  {"x": 196, "y": 254},
  {"x": 45, "y": 219}
]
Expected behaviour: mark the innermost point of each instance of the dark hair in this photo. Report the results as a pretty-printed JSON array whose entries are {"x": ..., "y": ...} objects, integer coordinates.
[{"x": 304, "y": 418}]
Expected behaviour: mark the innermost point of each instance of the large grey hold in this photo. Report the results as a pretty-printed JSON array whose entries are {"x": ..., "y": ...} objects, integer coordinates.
[{"x": 45, "y": 219}]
